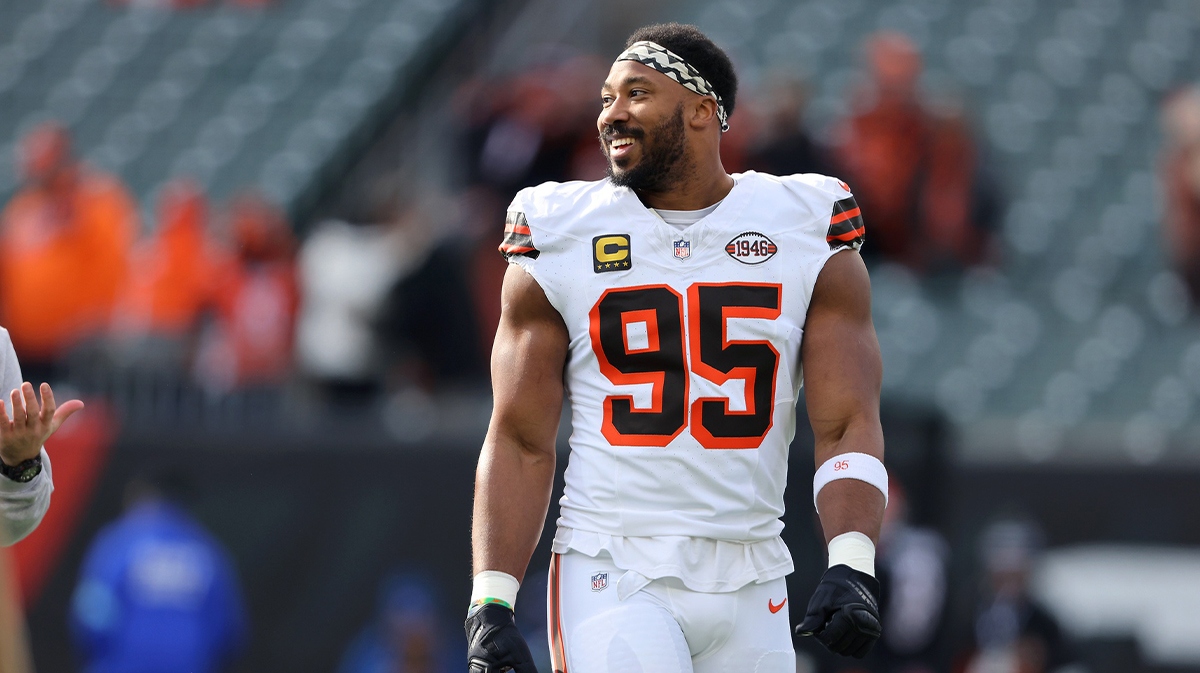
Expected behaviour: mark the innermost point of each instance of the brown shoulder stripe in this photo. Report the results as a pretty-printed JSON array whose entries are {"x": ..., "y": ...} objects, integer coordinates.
[
  {"x": 846, "y": 227},
  {"x": 518, "y": 239}
]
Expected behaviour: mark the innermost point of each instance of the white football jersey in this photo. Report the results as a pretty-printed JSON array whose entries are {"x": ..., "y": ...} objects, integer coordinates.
[{"x": 684, "y": 361}]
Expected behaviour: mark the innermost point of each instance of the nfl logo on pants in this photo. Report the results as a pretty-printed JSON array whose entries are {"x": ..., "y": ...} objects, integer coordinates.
[
  {"x": 683, "y": 249},
  {"x": 599, "y": 581}
]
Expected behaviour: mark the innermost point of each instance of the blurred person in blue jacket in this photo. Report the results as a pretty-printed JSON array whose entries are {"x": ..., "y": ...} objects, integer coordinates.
[
  {"x": 157, "y": 593},
  {"x": 407, "y": 634}
]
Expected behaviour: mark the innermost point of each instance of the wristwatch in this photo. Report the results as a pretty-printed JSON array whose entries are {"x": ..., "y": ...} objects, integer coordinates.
[{"x": 23, "y": 471}]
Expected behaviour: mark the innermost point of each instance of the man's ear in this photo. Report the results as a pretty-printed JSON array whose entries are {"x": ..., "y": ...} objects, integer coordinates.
[{"x": 704, "y": 113}]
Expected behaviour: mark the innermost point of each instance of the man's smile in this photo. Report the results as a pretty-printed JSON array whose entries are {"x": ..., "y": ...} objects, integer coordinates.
[{"x": 620, "y": 147}]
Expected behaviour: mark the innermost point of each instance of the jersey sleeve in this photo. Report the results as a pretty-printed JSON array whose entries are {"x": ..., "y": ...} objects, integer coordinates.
[
  {"x": 22, "y": 506},
  {"x": 834, "y": 207},
  {"x": 832, "y": 221},
  {"x": 518, "y": 239},
  {"x": 846, "y": 227},
  {"x": 524, "y": 232},
  {"x": 518, "y": 245}
]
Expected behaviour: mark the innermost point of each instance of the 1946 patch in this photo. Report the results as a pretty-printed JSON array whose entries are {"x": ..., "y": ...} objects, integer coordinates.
[{"x": 751, "y": 247}]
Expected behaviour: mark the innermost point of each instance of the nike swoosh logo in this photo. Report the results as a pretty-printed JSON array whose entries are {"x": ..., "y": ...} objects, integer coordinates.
[{"x": 775, "y": 608}]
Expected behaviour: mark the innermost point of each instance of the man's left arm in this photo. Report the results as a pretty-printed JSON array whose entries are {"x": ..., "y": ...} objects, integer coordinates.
[
  {"x": 842, "y": 379},
  {"x": 24, "y": 503}
]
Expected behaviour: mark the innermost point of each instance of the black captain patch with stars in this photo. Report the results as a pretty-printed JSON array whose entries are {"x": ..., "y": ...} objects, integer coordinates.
[{"x": 610, "y": 252}]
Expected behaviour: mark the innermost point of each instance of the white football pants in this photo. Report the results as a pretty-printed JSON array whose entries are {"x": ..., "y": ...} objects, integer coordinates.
[{"x": 661, "y": 626}]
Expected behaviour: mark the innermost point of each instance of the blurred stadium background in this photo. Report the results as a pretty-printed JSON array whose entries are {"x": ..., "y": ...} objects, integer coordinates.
[{"x": 298, "y": 203}]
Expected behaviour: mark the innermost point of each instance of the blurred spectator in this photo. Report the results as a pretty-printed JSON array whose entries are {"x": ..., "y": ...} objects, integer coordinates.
[
  {"x": 388, "y": 302},
  {"x": 173, "y": 278},
  {"x": 535, "y": 127},
  {"x": 427, "y": 318},
  {"x": 64, "y": 248},
  {"x": 785, "y": 146},
  {"x": 928, "y": 204},
  {"x": 525, "y": 139},
  {"x": 406, "y": 636},
  {"x": 1180, "y": 173},
  {"x": 959, "y": 206},
  {"x": 156, "y": 593},
  {"x": 250, "y": 342},
  {"x": 1013, "y": 634},
  {"x": 346, "y": 271},
  {"x": 912, "y": 566}
]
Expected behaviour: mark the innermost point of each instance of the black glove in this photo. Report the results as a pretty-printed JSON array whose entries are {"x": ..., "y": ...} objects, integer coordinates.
[
  {"x": 494, "y": 644},
  {"x": 844, "y": 612}
]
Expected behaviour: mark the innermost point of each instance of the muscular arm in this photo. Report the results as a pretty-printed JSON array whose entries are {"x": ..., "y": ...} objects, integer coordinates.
[
  {"x": 842, "y": 377},
  {"x": 516, "y": 466}
]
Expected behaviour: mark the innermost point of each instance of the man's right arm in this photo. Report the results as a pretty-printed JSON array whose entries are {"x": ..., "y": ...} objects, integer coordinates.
[{"x": 516, "y": 467}]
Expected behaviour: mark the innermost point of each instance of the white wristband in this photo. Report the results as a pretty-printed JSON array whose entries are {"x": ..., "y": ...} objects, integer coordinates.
[
  {"x": 853, "y": 549},
  {"x": 860, "y": 466},
  {"x": 493, "y": 586}
]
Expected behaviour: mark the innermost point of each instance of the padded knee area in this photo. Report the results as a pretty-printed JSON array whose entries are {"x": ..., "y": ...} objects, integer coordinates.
[{"x": 637, "y": 638}]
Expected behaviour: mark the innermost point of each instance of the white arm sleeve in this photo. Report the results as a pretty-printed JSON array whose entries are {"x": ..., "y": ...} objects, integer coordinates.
[{"x": 22, "y": 506}]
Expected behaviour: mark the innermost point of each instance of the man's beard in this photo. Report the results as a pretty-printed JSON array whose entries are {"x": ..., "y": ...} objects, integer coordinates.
[{"x": 662, "y": 157}]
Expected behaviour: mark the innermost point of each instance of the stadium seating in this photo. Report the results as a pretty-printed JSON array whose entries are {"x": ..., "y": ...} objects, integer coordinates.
[
  {"x": 1081, "y": 344},
  {"x": 231, "y": 96}
]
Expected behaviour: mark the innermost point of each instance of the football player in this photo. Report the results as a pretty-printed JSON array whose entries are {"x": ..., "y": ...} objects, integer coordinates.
[{"x": 680, "y": 308}]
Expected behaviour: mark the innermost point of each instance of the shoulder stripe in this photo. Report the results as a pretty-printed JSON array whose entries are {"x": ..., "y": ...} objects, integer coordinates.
[
  {"x": 518, "y": 239},
  {"x": 849, "y": 235},
  {"x": 511, "y": 227},
  {"x": 846, "y": 226},
  {"x": 841, "y": 217}
]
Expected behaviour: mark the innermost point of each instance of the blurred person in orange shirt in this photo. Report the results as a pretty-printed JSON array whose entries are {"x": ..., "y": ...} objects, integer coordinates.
[
  {"x": 960, "y": 203},
  {"x": 64, "y": 248},
  {"x": 917, "y": 168},
  {"x": 176, "y": 270},
  {"x": 250, "y": 342},
  {"x": 883, "y": 144}
]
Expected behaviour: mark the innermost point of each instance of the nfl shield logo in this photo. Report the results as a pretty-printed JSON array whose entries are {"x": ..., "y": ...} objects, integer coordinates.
[
  {"x": 683, "y": 249},
  {"x": 599, "y": 581}
]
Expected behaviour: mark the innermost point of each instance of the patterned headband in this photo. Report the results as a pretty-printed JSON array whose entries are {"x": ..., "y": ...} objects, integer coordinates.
[{"x": 672, "y": 65}]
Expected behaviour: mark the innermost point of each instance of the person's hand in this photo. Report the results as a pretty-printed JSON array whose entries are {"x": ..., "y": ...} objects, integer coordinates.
[
  {"x": 843, "y": 613},
  {"x": 22, "y": 435},
  {"x": 494, "y": 644}
]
